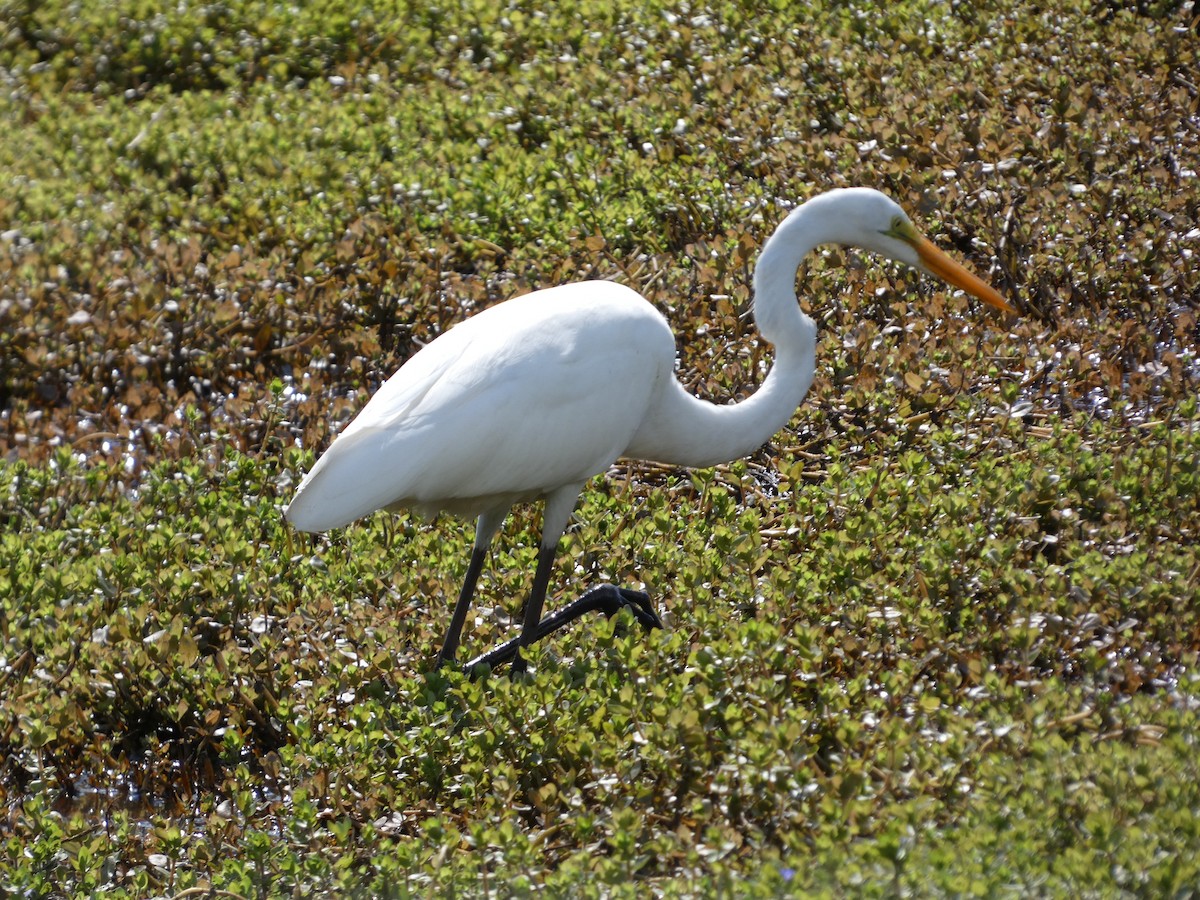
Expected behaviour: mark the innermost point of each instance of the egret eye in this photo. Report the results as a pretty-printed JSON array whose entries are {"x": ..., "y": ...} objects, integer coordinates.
[{"x": 898, "y": 223}]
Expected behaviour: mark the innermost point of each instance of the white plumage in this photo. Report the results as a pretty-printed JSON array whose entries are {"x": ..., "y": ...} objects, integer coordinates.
[
  {"x": 531, "y": 398},
  {"x": 428, "y": 438}
]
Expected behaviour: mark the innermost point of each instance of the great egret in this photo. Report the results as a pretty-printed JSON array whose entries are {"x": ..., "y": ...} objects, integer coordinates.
[{"x": 531, "y": 398}]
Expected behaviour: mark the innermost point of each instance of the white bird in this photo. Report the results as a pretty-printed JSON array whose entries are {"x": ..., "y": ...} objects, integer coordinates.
[{"x": 533, "y": 397}]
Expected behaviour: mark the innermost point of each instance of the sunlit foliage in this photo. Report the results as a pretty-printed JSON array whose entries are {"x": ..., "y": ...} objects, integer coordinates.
[{"x": 938, "y": 637}]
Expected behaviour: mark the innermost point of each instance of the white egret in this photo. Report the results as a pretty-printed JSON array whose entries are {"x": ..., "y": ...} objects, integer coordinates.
[{"x": 531, "y": 398}]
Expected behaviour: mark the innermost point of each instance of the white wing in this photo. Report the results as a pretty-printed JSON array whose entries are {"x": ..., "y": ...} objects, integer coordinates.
[{"x": 542, "y": 391}]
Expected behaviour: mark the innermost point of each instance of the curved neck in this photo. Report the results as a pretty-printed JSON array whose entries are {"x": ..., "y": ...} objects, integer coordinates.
[{"x": 680, "y": 429}]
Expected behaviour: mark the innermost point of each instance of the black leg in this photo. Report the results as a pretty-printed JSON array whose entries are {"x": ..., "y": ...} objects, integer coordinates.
[
  {"x": 533, "y": 606},
  {"x": 450, "y": 645},
  {"x": 605, "y": 598}
]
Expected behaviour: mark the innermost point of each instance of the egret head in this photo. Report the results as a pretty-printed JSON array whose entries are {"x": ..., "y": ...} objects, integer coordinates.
[{"x": 873, "y": 221}]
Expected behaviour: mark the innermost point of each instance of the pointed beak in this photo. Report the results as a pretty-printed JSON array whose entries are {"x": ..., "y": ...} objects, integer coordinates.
[{"x": 938, "y": 263}]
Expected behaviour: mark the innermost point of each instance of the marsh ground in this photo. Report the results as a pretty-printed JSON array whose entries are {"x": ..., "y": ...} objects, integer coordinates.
[{"x": 938, "y": 637}]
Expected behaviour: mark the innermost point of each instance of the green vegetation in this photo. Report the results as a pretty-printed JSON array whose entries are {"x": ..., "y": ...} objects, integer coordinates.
[{"x": 939, "y": 638}]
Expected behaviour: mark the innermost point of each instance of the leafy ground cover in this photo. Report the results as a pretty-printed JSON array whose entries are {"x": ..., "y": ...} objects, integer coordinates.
[{"x": 939, "y": 637}]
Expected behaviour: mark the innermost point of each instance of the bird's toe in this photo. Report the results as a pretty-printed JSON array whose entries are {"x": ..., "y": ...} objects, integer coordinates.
[{"x": 638, "y": 603}]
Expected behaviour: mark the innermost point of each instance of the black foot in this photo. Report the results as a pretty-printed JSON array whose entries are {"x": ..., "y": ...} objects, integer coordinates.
[{"x": 606, "y": 598}]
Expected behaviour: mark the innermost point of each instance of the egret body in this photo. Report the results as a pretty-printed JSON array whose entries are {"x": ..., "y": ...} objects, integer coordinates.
[{"x": 531, "y": 398}]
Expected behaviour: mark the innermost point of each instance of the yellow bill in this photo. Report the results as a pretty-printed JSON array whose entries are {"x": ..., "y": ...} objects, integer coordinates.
[{"x": 938, "y": 263}]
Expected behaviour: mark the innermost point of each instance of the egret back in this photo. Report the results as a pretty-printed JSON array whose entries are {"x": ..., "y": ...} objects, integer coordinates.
[{"x": 542, "y": 391}]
